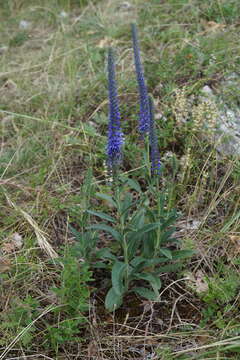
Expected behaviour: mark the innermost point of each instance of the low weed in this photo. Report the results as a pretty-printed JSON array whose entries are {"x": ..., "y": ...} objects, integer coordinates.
[
  {"x": 219, "y": 299},
  {"x": 69, "y": 298},
  {"x": 73, "y": 295},
  {"x": 21, "y": 313}
]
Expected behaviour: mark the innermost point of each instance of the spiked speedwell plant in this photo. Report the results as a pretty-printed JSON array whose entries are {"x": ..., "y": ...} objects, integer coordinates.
[{"x": 142, "y": 227}]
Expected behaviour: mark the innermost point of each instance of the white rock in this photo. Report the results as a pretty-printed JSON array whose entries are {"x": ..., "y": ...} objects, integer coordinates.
[
  {"x": 24, "y": 24},
  {"x": 125, "y": 5},
  {"x": 3, "y": 49},
  {"x": 206, "y": 90},
  {"x": 17, "y": 240},
  {"x": 228, "y": 124},
  {"x": 63, "y": 14}
]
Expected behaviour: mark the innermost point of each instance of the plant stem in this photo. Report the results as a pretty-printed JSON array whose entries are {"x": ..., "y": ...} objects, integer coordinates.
[
  {"x": 157, "y": 246},
  {"x": 122, "y": 227},
  {"x": 147, "y": 153}
]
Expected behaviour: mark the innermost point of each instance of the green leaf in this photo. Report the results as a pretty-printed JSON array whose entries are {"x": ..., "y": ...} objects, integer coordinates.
[
  {"x": 140, "y": 262},
  {"x": 137, "y": 260},
  {"x": 87, "y": 185},
  {"x": 89, "y": 129},
  {"x": 102, "y": 215},
  {"x": 107, "y": 228},
  {"x": 149, "y": 243},
  {"x": 145, "y": 229},
  {"x": 152, "y": 214},
  {"x": 126, "y": 205},
  {"x": 170, "y": 220},
  {"x": 100, "y": 265},
  {"x": 76, "y": 233},
  {"x": 105, "y": 254},
  {"x": 134, "y": 185},
  {"x": 141, "y": 265},
  {"x": 112, "y": 300},
  {"x": 166, "y": 235},
  {"x": 166, "y": 252},
  {"x": 117, "y": 277},
  {"x": 182, "y": 254},
  {"x": 157, "y": 261},
  {"x": 169, "y": 268},
  {"x": 230, "y": 222},
  {"x": 107, "y": 198},
  {"x": 153, "y": 280},
  {"x": 146, "y": 293},
  {"x": 85, "y": 245},
  {"x": 133, "y": 245},
  {"x": 172, "y": 240},
  {"x": 149, "y": 227},
  {"x": 162, "y": 199},
  {"x": 138, "y": 218}
]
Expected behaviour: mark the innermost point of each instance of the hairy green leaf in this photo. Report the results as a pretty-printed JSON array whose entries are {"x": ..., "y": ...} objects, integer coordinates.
[
  {"x": 143, "y": 230},
  {"x": 134, "y": 185},
  {"x": 102, "y": 215},
  {"x": 169, "y": 268},
  {"x": 126, "y": 205},
  {"x": 107, "y": 228},
  {"x": 112, "y": 300},
  {"x": 153, "y": 280},
  {"x": 146, "y": 293},
  {"x": 118, "y": 271},
  {"x": 138, "y": 218},
  {"x": 107, "y": 198},
  {"x": 105, "y": 253},
  {"x": 182, "y": 254},
  {"x": 166, "y": 252}
]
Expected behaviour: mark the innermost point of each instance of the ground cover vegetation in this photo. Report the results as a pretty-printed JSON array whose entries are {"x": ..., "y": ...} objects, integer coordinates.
[{"x": 70, "y": 286}]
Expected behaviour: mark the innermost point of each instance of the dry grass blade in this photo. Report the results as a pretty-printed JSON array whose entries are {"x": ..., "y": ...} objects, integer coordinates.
[
  {"x": 8, "y": 348},
  {"x": 41, "y": 236},
  {"x": 214, "y": 201},
  {"x": 231, "y": 341}
]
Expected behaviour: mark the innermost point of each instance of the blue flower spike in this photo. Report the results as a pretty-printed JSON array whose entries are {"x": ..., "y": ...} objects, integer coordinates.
[
  {"x": 115, "y": 135},
  {"x": 144, "y": 115},
  {"x": 153, "y": 142}
]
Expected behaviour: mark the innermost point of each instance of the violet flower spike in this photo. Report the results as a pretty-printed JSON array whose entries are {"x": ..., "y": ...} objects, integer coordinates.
[
  {"x": 144, "y": 115},
  {"x": 115, "y": 135},
  {"x": 154, "y": 151}
]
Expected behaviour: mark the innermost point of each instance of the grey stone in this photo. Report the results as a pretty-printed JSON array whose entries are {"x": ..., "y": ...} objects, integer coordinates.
[
  {"x": 227, "y": 133},
  {"x": 206, "y": 90}
]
